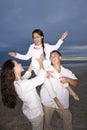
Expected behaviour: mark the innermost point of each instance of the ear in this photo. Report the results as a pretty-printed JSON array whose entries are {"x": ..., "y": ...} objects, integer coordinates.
[
  {"x": 60, "y": 57},
  {"x": 42, "y": 37}
]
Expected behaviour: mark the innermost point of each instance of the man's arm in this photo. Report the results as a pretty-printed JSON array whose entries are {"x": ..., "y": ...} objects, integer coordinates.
[{"x": 73, "y": 82}]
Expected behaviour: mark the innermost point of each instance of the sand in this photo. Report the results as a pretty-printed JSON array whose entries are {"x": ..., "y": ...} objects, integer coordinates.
[{"x": 13, "y": 119}]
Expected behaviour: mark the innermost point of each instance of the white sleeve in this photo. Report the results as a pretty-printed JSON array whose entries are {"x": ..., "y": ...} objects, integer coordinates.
[
  {"x": 27, "y": 56},
  {"x": 56, "y": 46},
  {"x": 40, "y": 79},
  {"x": 26, "y": 75},
  {"x": 49, "y": 88}
]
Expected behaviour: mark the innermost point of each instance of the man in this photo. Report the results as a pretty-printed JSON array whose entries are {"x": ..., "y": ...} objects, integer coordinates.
[{"x": 61, "y": 93}]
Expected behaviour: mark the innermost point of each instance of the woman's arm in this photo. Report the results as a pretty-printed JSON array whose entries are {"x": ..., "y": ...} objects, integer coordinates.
[{"x": 28, "y": 72}]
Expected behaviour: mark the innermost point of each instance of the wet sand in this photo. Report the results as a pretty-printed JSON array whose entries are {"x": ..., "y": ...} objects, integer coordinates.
[{"x": 13, "y": 119}]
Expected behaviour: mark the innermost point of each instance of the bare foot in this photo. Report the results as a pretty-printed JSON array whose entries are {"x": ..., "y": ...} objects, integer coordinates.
[{"x": 75, "y": 96}]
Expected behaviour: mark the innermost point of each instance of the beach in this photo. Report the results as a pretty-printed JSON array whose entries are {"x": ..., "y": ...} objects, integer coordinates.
[{"x": 13, "y": 119}]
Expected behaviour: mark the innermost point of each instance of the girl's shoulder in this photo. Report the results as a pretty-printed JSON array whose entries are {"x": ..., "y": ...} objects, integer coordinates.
[{"x": 46, "y": 45}]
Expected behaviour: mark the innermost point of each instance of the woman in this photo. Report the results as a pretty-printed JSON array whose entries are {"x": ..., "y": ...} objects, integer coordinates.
[{"x": 12, "y": 85}]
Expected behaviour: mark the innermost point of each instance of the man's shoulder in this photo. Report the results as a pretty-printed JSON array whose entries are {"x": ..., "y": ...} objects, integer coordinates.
[{"x": 64, "y": 69}]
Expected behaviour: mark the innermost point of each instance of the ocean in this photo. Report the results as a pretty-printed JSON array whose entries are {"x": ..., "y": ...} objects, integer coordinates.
[{"x": 66, "y": 63}]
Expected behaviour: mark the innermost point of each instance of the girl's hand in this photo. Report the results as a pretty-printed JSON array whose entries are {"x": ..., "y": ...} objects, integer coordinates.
[
  {"x": 64, "y": 35},
  {"x": 13, "y": 54}
]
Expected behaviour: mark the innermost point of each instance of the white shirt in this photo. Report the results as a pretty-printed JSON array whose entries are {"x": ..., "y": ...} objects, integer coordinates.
[
  {"x": 26, "y": 90},
  {"x": 61, "y": 92},
  {"x": 35, "y": 53}
]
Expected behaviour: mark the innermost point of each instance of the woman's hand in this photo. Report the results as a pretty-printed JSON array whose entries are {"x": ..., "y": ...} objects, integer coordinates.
[
  {"x": 40, "y": 61},
  {"x": 30, "y": 68}
]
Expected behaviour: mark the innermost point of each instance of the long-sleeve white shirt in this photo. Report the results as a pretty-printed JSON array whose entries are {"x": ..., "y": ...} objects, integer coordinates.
[
  {"x": 26, "y": 90},
  {"x": 35, "y": 53},
  {"x": 61, "y": 92}
]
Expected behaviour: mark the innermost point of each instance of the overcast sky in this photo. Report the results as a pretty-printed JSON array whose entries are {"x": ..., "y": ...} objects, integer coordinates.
[{"x": 18, "y": 18}]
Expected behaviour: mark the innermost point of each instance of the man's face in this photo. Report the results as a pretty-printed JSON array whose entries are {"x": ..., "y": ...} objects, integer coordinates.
[{"x": 55, "y": 58}]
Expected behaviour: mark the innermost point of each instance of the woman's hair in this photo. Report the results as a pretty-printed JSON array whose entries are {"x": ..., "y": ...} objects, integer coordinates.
[
  {"x": 40, "y": 32},
  {"x": 7, "y": 84}
]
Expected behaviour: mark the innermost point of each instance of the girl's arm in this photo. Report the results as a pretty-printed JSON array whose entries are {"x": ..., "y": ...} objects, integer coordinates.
[
  {"x": 59, "y": 43},
  {"x": 27, "y": 56}
]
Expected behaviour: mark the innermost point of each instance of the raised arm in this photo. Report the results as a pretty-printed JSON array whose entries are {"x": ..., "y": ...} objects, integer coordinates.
[
  {"x": 59, "y": 42},
  {"x": 28, "y": 72}
]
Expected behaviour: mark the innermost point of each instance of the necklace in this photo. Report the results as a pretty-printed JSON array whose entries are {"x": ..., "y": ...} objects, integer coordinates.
[{"x": 37, "y": 47}]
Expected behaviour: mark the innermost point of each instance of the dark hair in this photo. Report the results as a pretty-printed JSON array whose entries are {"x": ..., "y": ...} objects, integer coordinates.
[
  {"x": 7, "y": 84},
  {"x": 40, "y": 32},
  {"x": 56, "y": 52}
]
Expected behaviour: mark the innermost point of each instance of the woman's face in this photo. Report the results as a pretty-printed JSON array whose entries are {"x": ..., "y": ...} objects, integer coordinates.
[
  {"x": 37, "y": 39},
  {"x": 18, "y": 67}
]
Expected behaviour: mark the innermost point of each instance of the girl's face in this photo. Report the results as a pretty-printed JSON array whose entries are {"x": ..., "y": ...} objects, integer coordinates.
[
  {"x": 18, "y": 67},
  {"x": 37, "y": 39}
]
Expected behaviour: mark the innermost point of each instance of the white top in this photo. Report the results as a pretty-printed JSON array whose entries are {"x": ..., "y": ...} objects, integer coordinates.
[
  {"x": 56, "y": 75},
  {"x": 26, "y": 90},
  {"x": 61, "y": 92},
  {"x": 35, "y": 53}
]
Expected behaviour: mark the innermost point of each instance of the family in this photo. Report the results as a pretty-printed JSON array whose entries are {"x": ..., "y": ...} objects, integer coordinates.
[{"x": 54, "y": 78}]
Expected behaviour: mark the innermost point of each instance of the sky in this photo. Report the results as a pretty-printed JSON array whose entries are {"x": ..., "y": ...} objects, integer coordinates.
[{"x": 18, "y": 18}]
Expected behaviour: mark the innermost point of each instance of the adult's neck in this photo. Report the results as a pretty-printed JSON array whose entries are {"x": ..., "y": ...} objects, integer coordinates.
[
  {"x": 57, "y": 67},
  {"x": 18, "y": 77}
]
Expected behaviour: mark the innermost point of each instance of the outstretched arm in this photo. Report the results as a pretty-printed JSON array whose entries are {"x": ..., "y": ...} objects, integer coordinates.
[{"x": 27, "y": 56}]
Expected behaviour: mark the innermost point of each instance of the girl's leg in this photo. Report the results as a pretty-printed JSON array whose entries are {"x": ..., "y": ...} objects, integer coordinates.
[
  {"x": 49, "y": 87},
  {"x": 75, "y": 96}
]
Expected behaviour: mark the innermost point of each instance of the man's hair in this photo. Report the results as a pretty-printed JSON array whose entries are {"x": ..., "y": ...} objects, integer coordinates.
[{"x": 56, "y": 52}]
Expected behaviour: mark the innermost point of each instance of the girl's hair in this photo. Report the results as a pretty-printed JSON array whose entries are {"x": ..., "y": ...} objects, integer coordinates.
[
  {"x": 40, "y": 32},
  {"x": 7, "y": 84}
]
